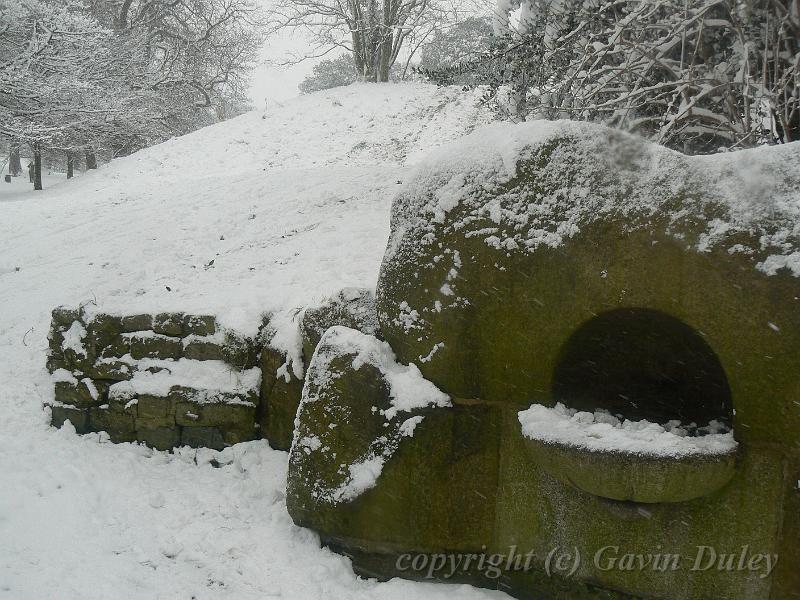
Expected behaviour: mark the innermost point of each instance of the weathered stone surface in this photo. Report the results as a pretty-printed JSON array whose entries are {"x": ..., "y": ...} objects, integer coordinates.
[
  {"x": 102, "y": 331},
  {"x": 199, "y": 325},
  {"x": 79, "y": 417},
  {"x": 155, "y": 346},
  {"x": 221, "y": 418},
  {"x": 435, "y": 490},
  {"x": 742, "y": 513},
  {"x": 217, "y": 414},
  {"x": 590, "y": 258},
  {"x": 131, "y": 323},
  {"x": 279, "y": 400},
  {"x": 169, "y": 324},
  {"x": 233, "y": 436},
  {"x": 200, "y": 349},
  {"x": 154, "y": 411},
  {"x": 160, "y": 438},
  {"x": 119, "y": 424},
  {"x": 85, "y": 394},
  {"x": 63, "y": 316},
  {"x": 634, "y": 477},
  {"x": 54, "y": 363},
  {"x": 111, "y": 370},
  {"x": 484, "y": 304},
  {"x": 81, "y": 356},
  {"x": 351, "y": 307},
  {"x": 116, "y": 347},
  {"x": 239, "y": 351},
  {"x": 55, "y": 355},
  {"x": 202, "y": 437}
]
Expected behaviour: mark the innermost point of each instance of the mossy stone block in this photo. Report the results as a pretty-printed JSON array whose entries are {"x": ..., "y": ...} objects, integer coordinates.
[
  {"x": 155, "y": 346},
  {"x": 634, "y": 477},
  {"x": 215, "y": 414},
  {"x": 199, "y": 349},
  {"x": 63, "y": 317},
  {"x": 160, "y": 438},
  {"x": 169, "y": 324},
  {"x": 80, "y": 361},
  {"x": 132, "y": 323},
  {"x": 116, "y": 347},
  {"x": 79, "y": 417},
  {"x": 279, "y": 400},
  {"x": 350, "y": 307},
  {"x": 54, "y": 363},
  {"x": 239, "y": 351},
  {"x": 155, "y": 411},
  {"x": 55, "y": 354},
  {"x": 237, "y": 435},
  {"x": 103, "y": 330},
  {"x": 199, "y": 325},
  {"x": 119, "y": 424},
  {"x": 536, "y": 512},
  {"x": 83, "y": 394},
  {"x": 124, "y": 405},
  {"x": 202, "y": 437},
  {"x": 112, "y": 370}
]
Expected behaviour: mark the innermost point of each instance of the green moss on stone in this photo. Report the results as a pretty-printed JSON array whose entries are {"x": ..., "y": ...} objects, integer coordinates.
[
  {"x": 160, "y": 438},
  {"x": 634, "y": 477},
  {"x": 169, "y": 324},
  {"x": 119, "y": 426},
  {"x": 279, "y": 400},
  {"x": 155, "y": 346},
  {"x": 199, "y": 349},
  {"x": 202, "y": 437},
  {"x": 102, "y": 331},
  {"x": 154, "y": 412},
  {"x": 199, "y": 325},
  {"x": 79, "y": 417},
  {"x": 63, "y": 317},
  {"x": 351, "y": 307},
  {"x": 80, "y": 394},
  {"x": 131, "y": 323},
  {"x": 111, "y": 370}
]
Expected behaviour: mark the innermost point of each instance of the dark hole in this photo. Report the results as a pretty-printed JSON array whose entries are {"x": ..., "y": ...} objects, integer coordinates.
[{"x": 643, "y": 364}]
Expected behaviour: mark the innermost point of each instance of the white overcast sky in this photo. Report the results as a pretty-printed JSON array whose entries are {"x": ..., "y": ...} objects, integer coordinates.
[{"x": 273, "y": 82}]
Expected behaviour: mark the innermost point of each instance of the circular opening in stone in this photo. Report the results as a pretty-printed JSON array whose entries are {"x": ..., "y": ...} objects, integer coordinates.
[{"x": 643, "y": 364}]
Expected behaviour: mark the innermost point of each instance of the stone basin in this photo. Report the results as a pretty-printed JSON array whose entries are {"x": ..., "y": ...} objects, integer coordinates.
[{"x": 634, "y": 477}]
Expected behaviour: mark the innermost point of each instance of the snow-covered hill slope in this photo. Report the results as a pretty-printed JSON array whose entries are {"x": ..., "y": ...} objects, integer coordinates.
[{"x": 265, "y": 213}]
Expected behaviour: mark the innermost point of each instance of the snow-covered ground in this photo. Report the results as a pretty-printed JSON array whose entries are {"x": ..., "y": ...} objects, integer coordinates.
[{"x": 268, "y": 212}]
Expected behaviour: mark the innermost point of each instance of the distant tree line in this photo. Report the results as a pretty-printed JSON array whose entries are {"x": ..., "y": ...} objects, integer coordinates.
[
  {"x": 381, "y": 37},
  {"x": 86, "y": 78},
  {"x": 445, "y": 43}
]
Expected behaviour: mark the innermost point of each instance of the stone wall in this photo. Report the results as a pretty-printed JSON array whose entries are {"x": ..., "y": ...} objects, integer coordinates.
[
  {"x": 168, "y": 379},
  {"x": 175, "y": 379}
]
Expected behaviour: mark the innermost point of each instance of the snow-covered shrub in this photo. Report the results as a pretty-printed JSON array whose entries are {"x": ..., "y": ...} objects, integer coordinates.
[{"x": 695, "y": 75}]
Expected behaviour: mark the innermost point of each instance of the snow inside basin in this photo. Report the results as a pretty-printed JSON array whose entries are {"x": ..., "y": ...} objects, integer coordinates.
[{"x": 626, "y": 460}]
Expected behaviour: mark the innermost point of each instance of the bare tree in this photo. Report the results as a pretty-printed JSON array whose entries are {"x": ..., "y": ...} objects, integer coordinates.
[
  {"x": 374, "y": 31},
  {"x": 100, "y": 76}
]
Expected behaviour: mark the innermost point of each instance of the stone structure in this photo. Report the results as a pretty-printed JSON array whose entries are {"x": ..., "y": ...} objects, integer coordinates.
[
  {"x": 174, "y": 379},
  {"x": 166, "y": 380},
  {"x": 567, "y": 263}
]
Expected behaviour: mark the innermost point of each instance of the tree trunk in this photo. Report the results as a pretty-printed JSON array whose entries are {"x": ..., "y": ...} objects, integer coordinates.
[
  {"x": 37, "y": 169},
  {"x": 91, "y": 160},
  {"x": 70, "y": 164},
  {"x": 384, "y": 61},
  {"x": 14, "y": 161}
]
